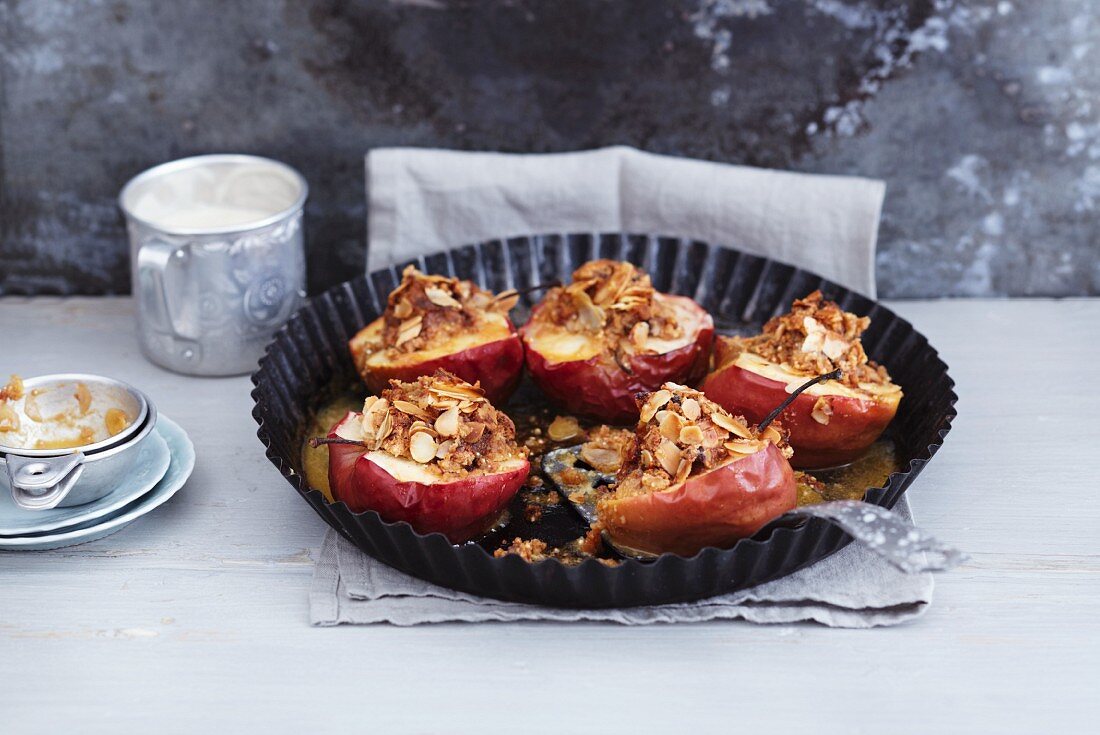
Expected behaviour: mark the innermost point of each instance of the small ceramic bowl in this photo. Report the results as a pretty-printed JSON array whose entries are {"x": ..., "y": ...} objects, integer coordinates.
[{"x": 40, "y": 479}]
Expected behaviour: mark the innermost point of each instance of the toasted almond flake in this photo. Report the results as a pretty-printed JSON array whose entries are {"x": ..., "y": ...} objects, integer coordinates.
[
  {"x": 833, "y": 347},
  {"x": 691, "y": 435},
  {"x": 440, "y": 297},
  {"x": 407, "y": 334},
  {"x": 563, "y": 428},
  {"x": 601, "y": 458},
  {"x": 670, "y": 426},
  {"x": 506, "y": 300},
  {"x": 682, "y": 470},
  {"x": 771, "y": 434},
  {"x": 639, "y": 333},
  {"x": 730, "y": 424},
  {"x": 822, "y": 410},
  {"x": 444, "y": 449},
  {"x": 418, "y": 426},
  {"x": 461, "y": 392},
  {"x": 422, "y": 447},
  {"x": 647, "y": 458},
  {"x": 447, "y": 423},
  {"x": 654, "y": 403},
  {"x": 474, "y": 430},
  {"x": 745, "y": 446},
  {"x": 402, "y": 309},
  {"x": 412, "y": 409},
  {"x": 691, "y": 409},
  {"x": 383, "y": 430},
  {"x": 668, "y": 454}
]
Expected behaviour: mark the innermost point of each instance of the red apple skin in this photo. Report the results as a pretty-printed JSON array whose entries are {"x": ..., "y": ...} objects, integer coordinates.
[
  {"x": 497, "y": 365},
  {"x": 853, "y": 427},
  {"x": 599, "y": 388},
  {"x": 460, "y": 510},
  {"x": 730, "y": 502}
]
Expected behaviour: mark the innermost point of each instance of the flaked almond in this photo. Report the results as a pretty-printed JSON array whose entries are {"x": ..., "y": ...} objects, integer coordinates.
[
  {"x": 373, "y": 413},
  {"x": 563, "y": 428},
  {"x": 441, "y": 297},
  {"x": 421, "y": 426},
  {"x": 654, "y": 403},
  {"x": 601, "y": 458},
  {"x": 822, "y": 410},
  {"x": 670, "y": 425},
  {"x": 406, "y": 334},
  {"x": 467, "y": 406},
  {"x": 745, "y": 446},
  {"x": 691, "y": 409},
  {"x": 647, "y": 458},
  {"x": 771, "y": 434},
  {"x": 461, "y": 392},
  {"x": 384, "y": 429},
  {"x": 474, "y": 431},
  {"x": 412, "y": 409},
  {"x": 639, "y": 333},
  {"x": 506, "y": 300},
  {"x": 444, "y": 449},
  {"x": 422, "y": 447},
  {"x": 447, "y": 423},
  {"x": 834, "y": 347},
  {"x": 668, "y": 455},
  {"x": 682, "y": 471},
  {"x": 402, "y": 309},
  {"x": 730, "y": 424},
  {"x": 691, "y": 435}
]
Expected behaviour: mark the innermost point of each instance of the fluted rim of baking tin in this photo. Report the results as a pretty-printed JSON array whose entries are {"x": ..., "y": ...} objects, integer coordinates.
[{"x": 309, "y": 352}]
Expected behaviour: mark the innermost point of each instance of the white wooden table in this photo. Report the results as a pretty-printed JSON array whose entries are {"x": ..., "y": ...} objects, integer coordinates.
[{"x": 196, "y": 615}]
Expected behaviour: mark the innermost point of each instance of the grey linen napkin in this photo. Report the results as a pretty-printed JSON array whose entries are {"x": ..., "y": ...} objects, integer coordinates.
[
  {"x": 853, "y": 588},
  {"x": 425, "y": 200}
]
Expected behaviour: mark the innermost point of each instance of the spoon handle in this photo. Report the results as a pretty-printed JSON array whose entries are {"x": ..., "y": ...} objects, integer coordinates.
[{"x": 887, "y": 534}]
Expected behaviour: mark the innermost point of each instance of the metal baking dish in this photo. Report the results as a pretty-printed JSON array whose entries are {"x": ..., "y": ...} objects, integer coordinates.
[
  {"x": 741, "y": 291},
  {"x": 40, "y": 479}
]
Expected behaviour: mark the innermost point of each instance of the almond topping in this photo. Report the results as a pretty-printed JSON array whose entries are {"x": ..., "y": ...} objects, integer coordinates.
[
  {"x": 639, "y": 334},
  {"x": 440, "y": 297},
  {"x": 668, "y": 454},
  {"x": 654, "y": 403},
  {"x": 731, "y": 425},
  {"x": 823, "y": 409},
  {"x": 444, "y": 449},
  {"x": 384, "y": 430},
  {"x": 771, "y": 434},
  {"x": 602, "y": 459},
  {"x": 670, "y": 425},
  {"x": 745, "y": 446},
  {"x": 402, "y": 309},
  {"x": 418, "y": 426},
  {"x": 422, "y": 447},
  {"x": 691, "y": 409},
  {"x": 506, "y": 300},
  {"x": 412, "y": 409},
  {"x": 691, "y": 435},
  {"x": 447, "y": 423},
  {"x": 563, "y": 428}
]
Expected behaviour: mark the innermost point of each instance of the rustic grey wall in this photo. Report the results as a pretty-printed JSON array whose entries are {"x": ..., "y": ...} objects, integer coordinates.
[{"x": 983, "y": 117}]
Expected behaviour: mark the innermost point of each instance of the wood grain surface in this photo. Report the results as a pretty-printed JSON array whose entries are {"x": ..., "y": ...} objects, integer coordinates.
[{"x": 195, "y": 617}]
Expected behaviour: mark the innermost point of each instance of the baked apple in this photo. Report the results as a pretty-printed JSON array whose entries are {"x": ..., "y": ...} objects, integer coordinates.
[
  {"x": 592, "y": 345},
  {"x": 694, "y": 477},
  {"x": 434, "y": 322},
  {"x": 830, "y": 423},
  {"x": 432, "y": 452}
]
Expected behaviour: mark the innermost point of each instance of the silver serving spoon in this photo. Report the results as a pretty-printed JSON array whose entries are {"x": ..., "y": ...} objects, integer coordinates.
[{"x": 879, "y": 529}]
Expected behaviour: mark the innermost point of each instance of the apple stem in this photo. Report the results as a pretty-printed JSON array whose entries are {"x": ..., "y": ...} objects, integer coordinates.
[
  {"x": 317, "y": 441},
  {"x": 834, "y": 375}
]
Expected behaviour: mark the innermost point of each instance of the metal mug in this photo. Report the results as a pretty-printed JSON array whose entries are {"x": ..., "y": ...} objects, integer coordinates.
[{"x": 217, "y": 259}]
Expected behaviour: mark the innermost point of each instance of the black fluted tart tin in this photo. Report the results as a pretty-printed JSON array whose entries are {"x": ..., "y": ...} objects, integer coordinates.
[{"x": 741, "y": 291}]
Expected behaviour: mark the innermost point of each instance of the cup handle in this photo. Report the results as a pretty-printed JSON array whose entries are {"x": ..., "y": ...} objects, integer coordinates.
[
  {"x": 40, "y": 483},
  {"x": 156, "y": 262}
]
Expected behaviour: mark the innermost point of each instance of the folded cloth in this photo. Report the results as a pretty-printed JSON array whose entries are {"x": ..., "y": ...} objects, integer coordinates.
[
  {"x": 426, "y": 200},
  {"x": 853, "y": 588}
]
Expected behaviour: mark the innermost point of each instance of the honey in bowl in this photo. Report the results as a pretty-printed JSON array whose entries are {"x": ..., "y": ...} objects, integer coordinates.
[{"x": 62, "y": 415}]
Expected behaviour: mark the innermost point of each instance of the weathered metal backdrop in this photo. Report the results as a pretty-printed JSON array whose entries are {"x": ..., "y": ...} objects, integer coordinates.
[{"x": 983, "y": 117}]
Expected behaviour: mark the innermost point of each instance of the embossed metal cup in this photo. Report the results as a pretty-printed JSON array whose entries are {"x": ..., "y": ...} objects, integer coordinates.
[{"x": 216, "y": 258}]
